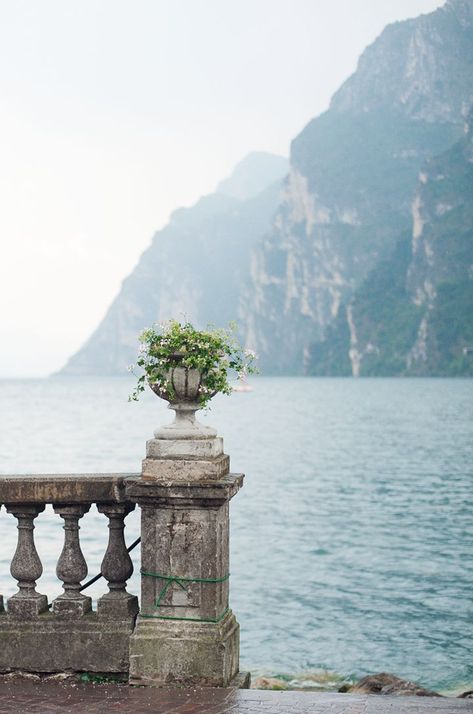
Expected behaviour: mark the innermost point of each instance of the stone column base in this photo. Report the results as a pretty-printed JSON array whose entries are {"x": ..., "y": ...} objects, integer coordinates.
[{"x": 164, "y": 652}]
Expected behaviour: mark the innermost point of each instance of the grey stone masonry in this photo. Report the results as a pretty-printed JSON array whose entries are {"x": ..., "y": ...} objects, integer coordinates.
[
  {"x": 67, "y": 634},
  {"x": 186, "y": 633},
  {"x": 26, "y": 566},
  {"x": 117, "y": 567},
  {"x": 71, "y": 566}
]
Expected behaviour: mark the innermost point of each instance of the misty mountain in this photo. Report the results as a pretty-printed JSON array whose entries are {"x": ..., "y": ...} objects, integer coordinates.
[
  {"x": 359, "y": 262},
  {"x": 413, "y": 315},
  {"x": 352, "y": 182},
  {"x": 194, "y": 268}
]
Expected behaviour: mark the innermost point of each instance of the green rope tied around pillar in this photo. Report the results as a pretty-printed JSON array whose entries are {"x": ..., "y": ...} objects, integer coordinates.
[{"x": 180, "y": 580}]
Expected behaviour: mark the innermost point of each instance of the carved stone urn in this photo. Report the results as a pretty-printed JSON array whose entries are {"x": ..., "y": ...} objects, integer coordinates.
[
  {"x": 186, "y": 383},
  {"x": 184, "y": 449}
]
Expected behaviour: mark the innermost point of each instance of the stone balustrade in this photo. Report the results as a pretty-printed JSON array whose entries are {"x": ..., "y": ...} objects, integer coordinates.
[
  {"x": 67, "y": 634},
  {"x": 185, "y": 632}
]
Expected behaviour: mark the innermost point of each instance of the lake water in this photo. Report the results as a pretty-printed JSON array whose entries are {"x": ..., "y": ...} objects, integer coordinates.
[{"x": 352, "y": 540}]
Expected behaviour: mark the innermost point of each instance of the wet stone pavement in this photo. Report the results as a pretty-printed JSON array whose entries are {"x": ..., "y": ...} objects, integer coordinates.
[{"x": 49, "y": 697}]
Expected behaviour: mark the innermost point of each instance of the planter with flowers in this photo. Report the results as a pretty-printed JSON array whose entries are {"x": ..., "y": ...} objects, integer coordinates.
[{"x": 187, "y": 367}]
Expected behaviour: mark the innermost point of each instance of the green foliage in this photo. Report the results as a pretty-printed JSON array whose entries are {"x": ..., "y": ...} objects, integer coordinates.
[
  {"x": 216, "y": 353},
  {"x": 386, "y": 323},
  {"x": 368, "y": 158},
  {"x": 385, "y": 316},
  {"x": 330, "y": 357},
  {"x": 452, "y": 326}
]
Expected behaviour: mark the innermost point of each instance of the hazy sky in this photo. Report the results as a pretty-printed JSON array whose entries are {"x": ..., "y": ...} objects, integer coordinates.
[{"x": 115, "y": 112}]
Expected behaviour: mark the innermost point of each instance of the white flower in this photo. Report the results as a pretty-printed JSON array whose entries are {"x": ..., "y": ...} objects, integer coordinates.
[
  {"x": 251, "y": 354},
  {"x": 131, "y": 367}
]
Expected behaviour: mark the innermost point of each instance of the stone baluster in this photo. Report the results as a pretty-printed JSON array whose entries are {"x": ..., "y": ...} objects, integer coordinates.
[
  {"x": 26, "y": 565},
  {"x": 117, "y": 566},
  {"x": 71, "y": 566}
]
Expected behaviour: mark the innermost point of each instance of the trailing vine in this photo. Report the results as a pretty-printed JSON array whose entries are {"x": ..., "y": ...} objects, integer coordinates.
[{"x": 216, "y": 353}]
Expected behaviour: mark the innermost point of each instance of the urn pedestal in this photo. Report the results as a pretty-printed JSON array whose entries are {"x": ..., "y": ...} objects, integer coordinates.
[{"x": 186, "y": 633}]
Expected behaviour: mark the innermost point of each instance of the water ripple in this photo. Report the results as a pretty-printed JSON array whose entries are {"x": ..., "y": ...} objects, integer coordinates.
[{"x": 352, "y": 540}]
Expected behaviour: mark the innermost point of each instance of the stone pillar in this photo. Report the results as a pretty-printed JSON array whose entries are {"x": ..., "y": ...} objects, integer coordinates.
[{"x": 186, "y": 633}]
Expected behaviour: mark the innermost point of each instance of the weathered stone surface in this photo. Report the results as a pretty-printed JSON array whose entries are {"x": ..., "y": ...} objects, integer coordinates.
[
  {"x": 71, "y": 636},
  {"x": 117, "y": 566},
  {"x": 63, "y": 488},
  {"x": 185, "y": 632},
  {"x": 185, "y": 653},
  {"x": 389, "y": 684},
  {"x": 23, "y": 608},
  {"x": 184, "y": 448},
  {"x": 111, "y": 607},
  {"x": 50, "y": 697},
  {"x": 185, "y": 403},
  {"x": 51, "y": 643},
  {"x": 191, "y": 543},
  {"x": 71, "y": 566},
  {"x": 204, "y": 493},
  {"x": 26, "y": 565},
  {"x": 176, "y": 469}
]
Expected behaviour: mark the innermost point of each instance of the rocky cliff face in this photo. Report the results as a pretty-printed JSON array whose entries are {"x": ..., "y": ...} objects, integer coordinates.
[
  {"x": 439, "y": 278},
  {"x": 353, "y": 175},
  {"x": 354, "y": 267},
  {"x": 194, "y": 268},
  {"x": 413, "y": 315},
  {"x": 417, "y": 66}
]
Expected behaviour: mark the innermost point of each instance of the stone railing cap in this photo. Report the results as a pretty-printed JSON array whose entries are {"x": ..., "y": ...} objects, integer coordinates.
[
  {"x": 215, "y": 490},
  {"x": 63, "y": 488}
]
